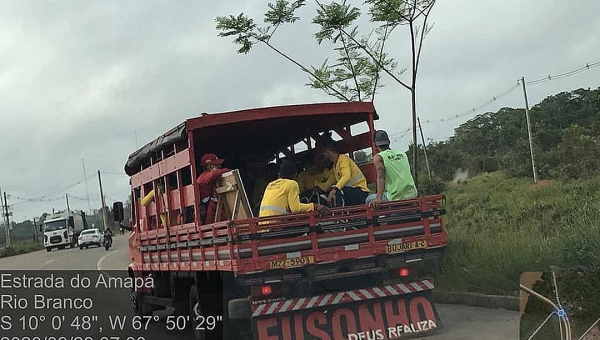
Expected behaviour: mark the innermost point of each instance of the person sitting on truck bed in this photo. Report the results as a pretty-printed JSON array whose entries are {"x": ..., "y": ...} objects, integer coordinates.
[
  {"x": 150, "y": 197},
  {"x": 282, "y": 195},
  {"x": 206, "y": 185},
  {"x": 351, "y": 185},
  {"x": 316, "y": 180},
  {"x": 394, "y": 180}
]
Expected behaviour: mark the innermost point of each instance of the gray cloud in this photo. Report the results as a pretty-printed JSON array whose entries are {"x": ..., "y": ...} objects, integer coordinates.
[{"x": 79, "y": 79}]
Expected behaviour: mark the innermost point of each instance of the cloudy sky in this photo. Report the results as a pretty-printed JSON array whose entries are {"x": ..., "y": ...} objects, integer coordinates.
[{"x": 81, "y": 79}]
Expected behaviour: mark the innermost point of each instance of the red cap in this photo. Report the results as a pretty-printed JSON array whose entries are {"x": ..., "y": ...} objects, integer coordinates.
[{"x": 210, "y": 159}]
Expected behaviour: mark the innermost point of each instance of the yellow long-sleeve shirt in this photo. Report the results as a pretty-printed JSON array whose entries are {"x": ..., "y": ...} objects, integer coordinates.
[
  {"x": 282, "y": 196},
  {"x": 311, "y": 178},
  {"x": 348, "y": 174},
  {"x": 147, "y": 200}
]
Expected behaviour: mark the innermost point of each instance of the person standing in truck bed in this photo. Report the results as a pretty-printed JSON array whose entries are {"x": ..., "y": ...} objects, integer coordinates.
[
  {"x": 282, "y": 195},
  {"x": 206, "y": 185},
  {"x": 394, "y": 180},
  {"x": 351, "y": 185},
  {"x": 150, "y": 197}
]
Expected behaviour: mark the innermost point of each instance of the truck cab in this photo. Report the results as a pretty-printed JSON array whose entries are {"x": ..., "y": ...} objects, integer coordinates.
[
  {"x": 351, "y": 273},
  {"x": 62, "y": 229}
]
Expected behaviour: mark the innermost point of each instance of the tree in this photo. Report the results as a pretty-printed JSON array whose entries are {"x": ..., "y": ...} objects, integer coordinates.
[
  {"x": 414, "y": 14},
  {"x": 566, "y": 134},
  {"x": 353, "y": 77},
  {"x": 361, "y": 157},
  {"x": 353, "y": 66},
  {"x": 361, "y": 60}
]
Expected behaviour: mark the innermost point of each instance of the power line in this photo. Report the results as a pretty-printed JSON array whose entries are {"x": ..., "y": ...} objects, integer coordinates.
[
  {"x": 49, "y": 197},
  {"x": 547, "y": 78},
  {"x": 111, "y": 198},
  {"x": 83, "y": 198},
  {"x": 477, "y": 108},
  {"x": 114, "y": 173},
  {"x": 586, "y": 67}
]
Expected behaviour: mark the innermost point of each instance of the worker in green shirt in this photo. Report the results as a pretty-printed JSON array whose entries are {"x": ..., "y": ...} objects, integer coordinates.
[{"x": 394, "y": 180}]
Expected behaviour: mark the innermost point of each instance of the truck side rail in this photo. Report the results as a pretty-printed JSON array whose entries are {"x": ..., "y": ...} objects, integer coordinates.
[{"x": 297, "y": 240}]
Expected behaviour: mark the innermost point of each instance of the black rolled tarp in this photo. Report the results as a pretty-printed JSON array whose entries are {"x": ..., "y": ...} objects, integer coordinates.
[{"x": 135, "y": 159}]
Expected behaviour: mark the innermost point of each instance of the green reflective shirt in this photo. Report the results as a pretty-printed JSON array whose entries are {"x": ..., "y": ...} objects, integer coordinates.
[{"x": 399, "y": 184}]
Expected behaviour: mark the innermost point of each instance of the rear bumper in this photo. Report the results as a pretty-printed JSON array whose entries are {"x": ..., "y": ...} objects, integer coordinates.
[
  {"x": 86, "y": 243},
  {"x": 342, "y": 297},
  {"x": 385, "y": 312}
]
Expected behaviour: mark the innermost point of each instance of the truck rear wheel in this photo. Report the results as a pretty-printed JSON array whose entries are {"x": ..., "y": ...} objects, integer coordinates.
[
  {"x": 198, "y": 334},
  {"x": 140, "y": 307},
  {"x": 48, "y": 249}
]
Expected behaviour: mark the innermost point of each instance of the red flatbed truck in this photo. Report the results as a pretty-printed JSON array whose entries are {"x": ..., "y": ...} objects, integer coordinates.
[{"x": 351, "y": 273}]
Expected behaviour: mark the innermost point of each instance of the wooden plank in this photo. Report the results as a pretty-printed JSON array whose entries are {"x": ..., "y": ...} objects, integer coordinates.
[{"x": 232, "y": 196}]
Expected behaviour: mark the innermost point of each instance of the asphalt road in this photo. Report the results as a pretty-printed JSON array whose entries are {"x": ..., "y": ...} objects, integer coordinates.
[{"x": 459, "y": 322}]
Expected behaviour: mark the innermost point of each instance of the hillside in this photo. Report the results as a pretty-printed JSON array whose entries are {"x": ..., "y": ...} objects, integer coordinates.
[
  {"x": 499, "y": 227},
  {"x": 565, "y": 133}
]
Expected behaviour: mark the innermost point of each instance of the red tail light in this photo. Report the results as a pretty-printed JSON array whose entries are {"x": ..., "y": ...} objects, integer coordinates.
[
  {"x": 404, "y": 272},
  {"x": 266, "y": 290}
]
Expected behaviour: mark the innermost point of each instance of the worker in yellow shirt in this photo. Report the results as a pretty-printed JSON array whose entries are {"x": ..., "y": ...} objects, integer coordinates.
[
  {"x": 150, "y": 197},
  {"x": 316, "y": 180},
  {"x": 351, "y": 184},
  {"x": 282, "y": 195}
]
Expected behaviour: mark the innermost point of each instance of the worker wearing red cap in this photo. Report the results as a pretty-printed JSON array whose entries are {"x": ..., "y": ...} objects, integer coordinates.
[{"x": 206, "y": 185}]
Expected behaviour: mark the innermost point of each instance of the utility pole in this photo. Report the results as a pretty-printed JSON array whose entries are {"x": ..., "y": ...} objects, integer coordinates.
[
  {"x": 35, "y": 230},
  {"x": 3, "y": 218},
  {"x": 68, "y": 209},
  {"x": 7, "y": 221},
  {"x": 87, "y": 192},
  {"x": 415, "y": 151},
  {"x": 103, "y": 203},
  {"x": 535, "y": 177},
  {"x": 424, "y": 148}
]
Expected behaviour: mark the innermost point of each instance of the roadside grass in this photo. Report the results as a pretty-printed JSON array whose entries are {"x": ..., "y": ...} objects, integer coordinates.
[
  {"x": 499, "y": 227},
  {"x": 19, "y": 247}
]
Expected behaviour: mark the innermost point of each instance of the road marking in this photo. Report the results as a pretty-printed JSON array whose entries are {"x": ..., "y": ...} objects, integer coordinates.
[
  {"x": 47, "y": 263},
  {"x": 99, "y": 264}
]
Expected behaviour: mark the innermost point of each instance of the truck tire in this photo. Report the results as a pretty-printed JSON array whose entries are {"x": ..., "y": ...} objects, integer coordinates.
[
  {"x": 140, "y": 307},
  {"x": 198, "y": 334},
  {"x": 48, "y": 249},
  {"x": 239, "y": 309}
]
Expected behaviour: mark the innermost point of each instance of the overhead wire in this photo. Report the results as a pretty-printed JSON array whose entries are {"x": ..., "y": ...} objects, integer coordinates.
[{"x": 510, "y": 89}]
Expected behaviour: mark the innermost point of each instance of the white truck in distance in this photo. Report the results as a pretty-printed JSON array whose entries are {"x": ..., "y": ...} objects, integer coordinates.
[{"x": 62, "y": 229}]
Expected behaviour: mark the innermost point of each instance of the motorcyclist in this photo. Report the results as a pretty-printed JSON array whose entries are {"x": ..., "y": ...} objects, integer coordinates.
[{"x": 108, "y": 234}]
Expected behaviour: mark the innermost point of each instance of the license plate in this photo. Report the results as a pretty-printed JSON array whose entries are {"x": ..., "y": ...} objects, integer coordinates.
[
  {"x": 298, "y": 261},
  {"x": 402, "y": 247}
]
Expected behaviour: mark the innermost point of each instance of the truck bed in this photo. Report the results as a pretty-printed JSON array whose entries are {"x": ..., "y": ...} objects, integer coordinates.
[{"x": 398, "y": 231}]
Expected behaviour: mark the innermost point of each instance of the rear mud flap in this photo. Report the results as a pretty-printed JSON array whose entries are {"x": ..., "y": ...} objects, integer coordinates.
[{"x": 382, "y": 313}]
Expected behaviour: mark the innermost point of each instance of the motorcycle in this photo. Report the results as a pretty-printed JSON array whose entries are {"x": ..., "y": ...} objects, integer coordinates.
[{"x": 107, "y": 241}]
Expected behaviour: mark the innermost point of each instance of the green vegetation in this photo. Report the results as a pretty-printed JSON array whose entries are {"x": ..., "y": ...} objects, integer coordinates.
[
  {"x": 566, "y": 141},
  {"x": 21, "y": 247},
  {"x": 499, "y": 227}
]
